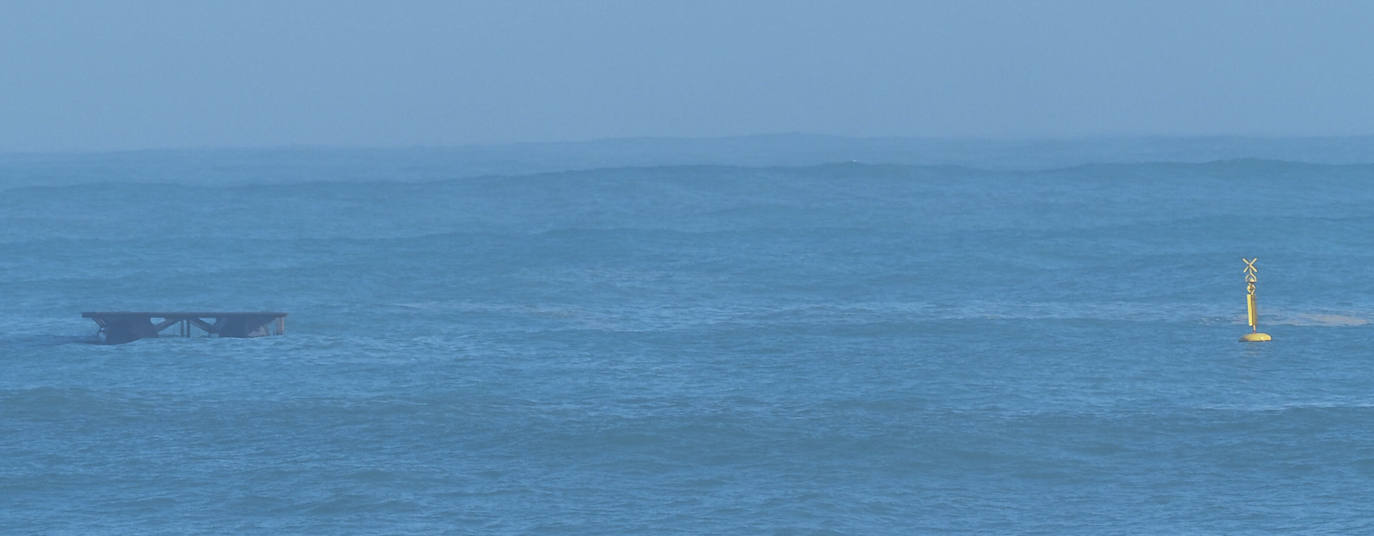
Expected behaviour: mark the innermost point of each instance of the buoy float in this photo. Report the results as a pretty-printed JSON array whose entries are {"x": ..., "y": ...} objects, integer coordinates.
[{"x": 1252, "y": 311}]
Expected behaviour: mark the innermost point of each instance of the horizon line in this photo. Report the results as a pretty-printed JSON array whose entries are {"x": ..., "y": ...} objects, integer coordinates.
[{"x": 668, "y": 138}]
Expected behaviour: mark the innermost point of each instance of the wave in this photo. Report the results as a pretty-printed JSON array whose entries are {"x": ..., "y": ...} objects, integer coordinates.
[
  {"x": 45, "y": 340},
  {"x": 1318, "y": 320},
  {"x": 649, "y": 317}
]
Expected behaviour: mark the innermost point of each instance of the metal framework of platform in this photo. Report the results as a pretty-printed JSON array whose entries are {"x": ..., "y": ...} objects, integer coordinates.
[{"x": 125, "y": 326}]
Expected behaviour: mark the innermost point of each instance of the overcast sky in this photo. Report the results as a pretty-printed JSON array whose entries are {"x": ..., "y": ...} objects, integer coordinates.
[{"x": 123, "y": 75}]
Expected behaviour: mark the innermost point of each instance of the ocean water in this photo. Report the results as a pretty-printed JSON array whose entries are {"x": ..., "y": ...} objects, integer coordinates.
[{"x": 843, "y": 348}]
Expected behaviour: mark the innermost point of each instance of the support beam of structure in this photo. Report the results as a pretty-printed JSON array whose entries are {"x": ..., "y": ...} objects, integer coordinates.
[
  {"x": 165, "y": 324},
  {"x": 121, "y": 327},
  {"x": 209, "y": 329}
]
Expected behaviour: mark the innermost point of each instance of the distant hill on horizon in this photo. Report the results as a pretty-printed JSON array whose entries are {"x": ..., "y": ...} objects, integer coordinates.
[{"x": 286, "y": 164}]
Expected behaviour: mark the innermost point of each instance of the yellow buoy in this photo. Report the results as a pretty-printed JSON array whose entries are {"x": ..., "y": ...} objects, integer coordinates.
[{"x": 1252, "y": 311}]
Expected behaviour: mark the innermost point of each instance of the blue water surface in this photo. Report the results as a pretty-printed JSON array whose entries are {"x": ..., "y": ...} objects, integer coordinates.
[{"x": 821, "y": 349}]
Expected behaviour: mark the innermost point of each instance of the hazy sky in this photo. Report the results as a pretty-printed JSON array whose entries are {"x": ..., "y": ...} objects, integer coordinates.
[{"x": 119, "y": 75}]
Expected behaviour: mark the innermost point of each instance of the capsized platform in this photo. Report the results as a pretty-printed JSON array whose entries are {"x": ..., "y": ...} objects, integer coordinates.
[{"x": 117, "y": 327}]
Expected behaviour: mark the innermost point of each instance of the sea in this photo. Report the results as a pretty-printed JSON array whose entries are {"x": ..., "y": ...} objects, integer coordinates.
[{"x": 921, "y": 339}]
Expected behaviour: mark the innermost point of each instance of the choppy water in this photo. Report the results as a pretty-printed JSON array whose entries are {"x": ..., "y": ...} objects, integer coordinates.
[{"x": 845, "y": 348}]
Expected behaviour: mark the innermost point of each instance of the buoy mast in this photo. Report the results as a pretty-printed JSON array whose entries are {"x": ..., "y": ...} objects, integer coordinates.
[{"x": 1252, "y": 312}]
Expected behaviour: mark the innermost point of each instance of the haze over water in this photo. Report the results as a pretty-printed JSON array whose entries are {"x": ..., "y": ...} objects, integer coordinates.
[
  {"x": 547, "y": 273},
  {"x": 841, "y": 347}
]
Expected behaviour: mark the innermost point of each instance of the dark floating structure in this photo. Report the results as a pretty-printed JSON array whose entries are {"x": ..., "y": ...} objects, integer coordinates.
[{"x": 122, "y": 327}]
